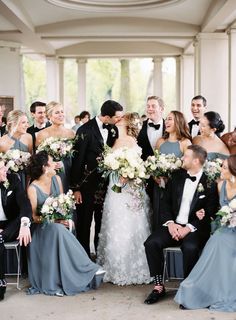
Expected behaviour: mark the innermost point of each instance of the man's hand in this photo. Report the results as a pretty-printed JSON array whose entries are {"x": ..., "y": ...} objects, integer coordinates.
[
  {"x": 200, "y": 214},
  {"x": 78, "y": 197},
  {"x": 183, "y": 231},
  {"x": 24, "y": 236},
  {"x": 174, "y": 230}
]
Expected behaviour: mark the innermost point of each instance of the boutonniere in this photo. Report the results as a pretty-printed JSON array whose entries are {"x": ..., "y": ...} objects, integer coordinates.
[
  {"x": 113, "y": 132},
  {"x": 9, "y": 193},
  {"x": 6, "y": 184},
  {"x": 200, "y": 188}
]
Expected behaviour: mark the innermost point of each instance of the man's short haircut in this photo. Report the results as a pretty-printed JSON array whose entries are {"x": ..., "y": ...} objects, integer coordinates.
[
  {"x": 199, "y": 97},
  {"x": 36, "y": 104},
  {"x": 159, "y": 100},
  {"x": 198, "y": 152},
  {"x": 83, "y": 114},
  {"x": 110, "y": 107}
]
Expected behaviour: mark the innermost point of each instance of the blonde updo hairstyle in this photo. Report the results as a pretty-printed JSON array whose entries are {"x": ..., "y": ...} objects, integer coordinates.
[
  {"x": 50, "y": 106},
  {"x": 133, "y": 124},
  {"x": 13, "y": 119}
]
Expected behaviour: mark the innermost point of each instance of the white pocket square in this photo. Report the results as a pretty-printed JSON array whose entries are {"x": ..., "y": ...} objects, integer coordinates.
[
  {"x": 202, "y": 196},
  {"x": 9, "y": 192}
]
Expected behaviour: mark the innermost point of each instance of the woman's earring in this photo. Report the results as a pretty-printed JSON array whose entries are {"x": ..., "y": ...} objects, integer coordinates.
[{"x": 232, "y": 179}]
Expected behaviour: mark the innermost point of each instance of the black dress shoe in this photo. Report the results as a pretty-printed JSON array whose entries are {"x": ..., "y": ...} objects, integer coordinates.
[
  {"x": 2, "y": 292},
  {"x": 154, "y": 296},
  {"x": 182, "y": 307}
]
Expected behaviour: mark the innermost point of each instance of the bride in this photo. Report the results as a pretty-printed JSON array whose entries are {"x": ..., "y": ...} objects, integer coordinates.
[{"x": 125, "y": 221}]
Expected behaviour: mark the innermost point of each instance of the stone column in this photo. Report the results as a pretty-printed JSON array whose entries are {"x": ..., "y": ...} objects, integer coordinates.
[
  {"x": 177, "y": 83},
  {"x": 232, "y": 79},
  {"x": 61, "y": 80},
  {"x": 212, "y": 71},
  {"x": 157, "y": 77},
  {"x": 187, "y": 84},
  {"x": 52, "y": 79},
  {"x": 81, "y": 62}
]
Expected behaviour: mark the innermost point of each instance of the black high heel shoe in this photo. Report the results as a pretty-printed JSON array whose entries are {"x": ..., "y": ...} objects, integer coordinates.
[{"x": 2, "y": 292}]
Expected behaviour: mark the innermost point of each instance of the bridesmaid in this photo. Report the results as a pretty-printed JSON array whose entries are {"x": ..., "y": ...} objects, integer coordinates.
[
  {"x": 211, "y": 126},
  {"x": 176, "y": 139},
  {"x": 17, "y": 137},
  {"x": 55, "y": 113},
  {"x": 212, "y": 281},
  {"x": 69, "y": 269}
]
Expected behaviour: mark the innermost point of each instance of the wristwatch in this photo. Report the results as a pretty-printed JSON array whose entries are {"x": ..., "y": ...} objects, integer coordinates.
[{"x": 25, "y": 224}]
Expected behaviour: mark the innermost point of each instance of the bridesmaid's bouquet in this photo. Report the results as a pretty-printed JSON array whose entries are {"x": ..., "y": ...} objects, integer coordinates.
[
  {"x": 58, "y": 208},
  {"x": 16, "y": 160},
  {"x": 226, "y": 216},
  {"x": 125, "y": 165},
  {"x": 212, "y": 169},
  {"x": 162, "y": 165},
  {"x": 57, "y": 148}
]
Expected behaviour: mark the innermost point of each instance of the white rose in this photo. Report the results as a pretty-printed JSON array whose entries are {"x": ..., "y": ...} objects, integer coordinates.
[{"x": 232, "y": 204}]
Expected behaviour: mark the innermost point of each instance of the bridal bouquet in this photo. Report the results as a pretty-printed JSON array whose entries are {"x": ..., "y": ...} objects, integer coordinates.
[
  {"x": 162, "y": 165},
  {"x": 16, "y": 160},
  {"x": 58, "y": 208},
  {"x": 212, "y": 169},
  {"x": 124, "y": 164},
  {"x": 58, "y": 148},
  {"x": 226, "y": 216}
]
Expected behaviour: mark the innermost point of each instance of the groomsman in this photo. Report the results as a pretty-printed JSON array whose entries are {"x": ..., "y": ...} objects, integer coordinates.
[
  {"x": 38, "y": 112},
  {"x": 86, "y": 181},
  {"x": 198, "y": 108},
  {"x": 153, "y": 128},
  {"x": 15, "y": 215},
  {"x": 187, "y": 194}
]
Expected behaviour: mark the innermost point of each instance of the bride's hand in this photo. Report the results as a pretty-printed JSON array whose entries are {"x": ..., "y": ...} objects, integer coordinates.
[
  {"x": 64, "y": 222},
  {"x": 123, "y": 180}
]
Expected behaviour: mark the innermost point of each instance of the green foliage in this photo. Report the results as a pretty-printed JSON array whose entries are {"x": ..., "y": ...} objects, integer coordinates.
[{"x": 35, "y": 80}]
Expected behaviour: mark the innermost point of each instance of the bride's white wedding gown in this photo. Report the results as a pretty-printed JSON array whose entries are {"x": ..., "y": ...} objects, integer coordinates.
[{"x": 125, "y": 227}]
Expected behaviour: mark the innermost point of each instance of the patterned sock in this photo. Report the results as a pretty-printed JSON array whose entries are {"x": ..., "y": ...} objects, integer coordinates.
[{"x": 158, "y": 280}]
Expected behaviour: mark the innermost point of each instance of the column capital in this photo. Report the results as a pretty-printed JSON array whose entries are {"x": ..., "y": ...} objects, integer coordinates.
[
  {"x": 157, "y": 59},
  {"x": 211, "y": 36},
  {"x": 81, "y": 60}
]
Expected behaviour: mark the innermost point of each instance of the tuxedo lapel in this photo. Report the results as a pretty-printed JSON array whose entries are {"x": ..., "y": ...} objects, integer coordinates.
[
  {"x": 197, "y": 193},
  {"x": 96, "y": 131},
  {"x": 180, "y": 189}
]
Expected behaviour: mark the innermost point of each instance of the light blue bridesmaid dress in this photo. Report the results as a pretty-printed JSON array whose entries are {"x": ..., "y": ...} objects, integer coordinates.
[
  {"x": 57, "y": 263},
  {"x": 212, "y": 282}
]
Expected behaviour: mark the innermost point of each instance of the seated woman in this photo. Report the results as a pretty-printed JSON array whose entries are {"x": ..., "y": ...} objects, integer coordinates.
[
  {"x": 211, "y": 126},
  {"x": 57, "y": 262},
  {"x": 212, "y": 281}
]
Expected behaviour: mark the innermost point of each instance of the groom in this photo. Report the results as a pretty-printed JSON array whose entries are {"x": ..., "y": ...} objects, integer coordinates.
[
  {"x": 86, "y": 181},
  {"x": 187, "y": 193}
]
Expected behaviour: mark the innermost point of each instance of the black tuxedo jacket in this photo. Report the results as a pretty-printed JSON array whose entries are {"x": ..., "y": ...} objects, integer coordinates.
[
  {"x": 190, "y": 124},
  {"x": 207, "y": 199},
  {"x": 88, "y": 147},
  {"x": 15, "y": 202},
  {"x": 2, "y": 130},
  {"x": 143, "y": 140}
]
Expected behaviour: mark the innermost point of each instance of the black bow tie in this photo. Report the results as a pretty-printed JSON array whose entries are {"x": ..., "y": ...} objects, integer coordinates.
[
  {"x": 105, "y": 126},
  {"x": 193, "y": 122},
  {"x": 192, "y": 178},
  {"x": 155, "y": 126}
]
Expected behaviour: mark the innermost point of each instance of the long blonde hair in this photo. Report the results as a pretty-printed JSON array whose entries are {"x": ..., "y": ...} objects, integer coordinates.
[
  {"x": 13, "y": 119},
  {"x": 50, "y": 106}
]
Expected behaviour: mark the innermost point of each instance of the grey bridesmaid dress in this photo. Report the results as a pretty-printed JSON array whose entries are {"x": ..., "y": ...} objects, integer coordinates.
[
  {"x": 212, "y": 282},
  {"x": 57, "y": 262}
]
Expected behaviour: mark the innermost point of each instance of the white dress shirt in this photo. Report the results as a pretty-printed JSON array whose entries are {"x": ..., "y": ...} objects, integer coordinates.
[
  {"x": 188, "y": 193},
  {"x": 153, "y": 134},
  {"x": 2, "y": 214},
  {"x": 104, "y": 132},
  {"x": 195, "y": 130}
]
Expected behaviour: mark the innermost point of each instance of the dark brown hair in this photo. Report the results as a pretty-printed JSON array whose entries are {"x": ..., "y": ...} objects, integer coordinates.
[{"x": 232, "y": 164}]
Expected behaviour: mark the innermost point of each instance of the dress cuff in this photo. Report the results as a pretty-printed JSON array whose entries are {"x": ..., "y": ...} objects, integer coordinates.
[
  {"x": 191, "y": 227},
  {"x": 167, "y": 222}
]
